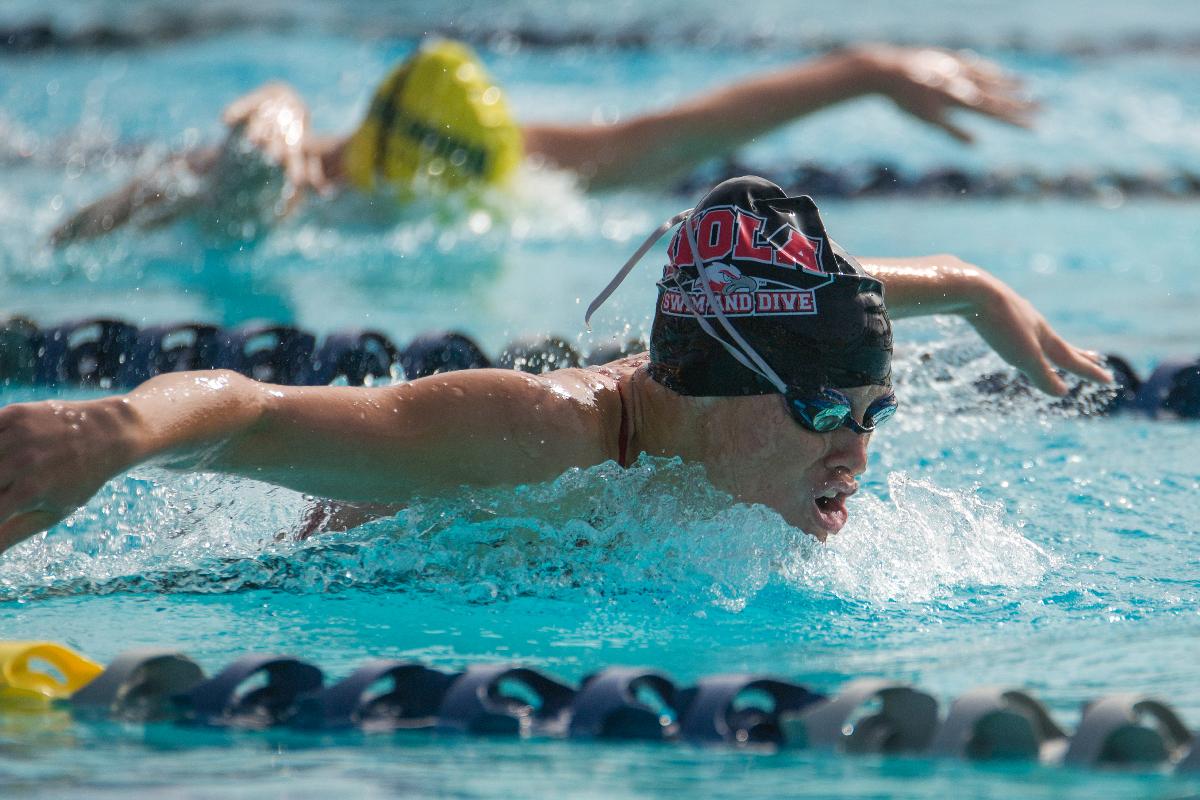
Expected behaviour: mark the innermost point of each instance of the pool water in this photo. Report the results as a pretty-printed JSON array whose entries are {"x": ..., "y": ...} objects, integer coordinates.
[{"x": 993, "y": 544}]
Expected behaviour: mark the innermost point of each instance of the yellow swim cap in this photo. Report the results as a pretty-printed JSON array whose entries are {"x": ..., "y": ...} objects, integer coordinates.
[{"x": 437, "y": 116}]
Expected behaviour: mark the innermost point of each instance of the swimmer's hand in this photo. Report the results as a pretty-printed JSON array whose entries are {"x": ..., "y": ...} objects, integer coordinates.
[
  {"x": 1021, "y": 336},
  {"x": 54, "y": 456},
  {"x": 945, "y": 284},
  {"x": 274, "y": 119},
  {"x": 930, "y": 83}
]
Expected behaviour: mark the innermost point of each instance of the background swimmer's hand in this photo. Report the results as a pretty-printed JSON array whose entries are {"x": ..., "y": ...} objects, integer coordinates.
[
  {"x": 930, "y": 83},
  {"x": 275, "y": 120},
  {"x": 53, "y": 457}
]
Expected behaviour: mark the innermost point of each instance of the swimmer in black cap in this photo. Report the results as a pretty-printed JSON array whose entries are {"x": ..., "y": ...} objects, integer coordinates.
[
  {"x": 439, "y": 120},
  {"x": 770, "y": 365}
]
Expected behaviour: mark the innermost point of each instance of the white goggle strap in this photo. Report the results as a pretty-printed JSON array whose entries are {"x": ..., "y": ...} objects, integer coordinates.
[
  {"x": 748, "y": 353},
  {"x": 651, "y": 240},
  {"x": 708, "y": 328}
]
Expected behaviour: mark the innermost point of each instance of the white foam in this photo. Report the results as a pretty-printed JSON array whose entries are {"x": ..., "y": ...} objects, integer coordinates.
[
  {"x": 923, "y": 544},
  {"x": 658, "y": 529}
]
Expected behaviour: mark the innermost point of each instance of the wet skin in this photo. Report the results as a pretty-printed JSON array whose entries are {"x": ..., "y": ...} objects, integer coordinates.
[{"x": 750, "y": 446}]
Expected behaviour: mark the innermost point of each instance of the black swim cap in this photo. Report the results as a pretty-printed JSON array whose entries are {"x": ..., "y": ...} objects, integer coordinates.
[{"x": 801, "y": 303}]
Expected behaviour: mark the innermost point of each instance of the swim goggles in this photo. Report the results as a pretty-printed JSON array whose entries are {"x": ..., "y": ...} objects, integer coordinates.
[{"x": 832, "y": 409}]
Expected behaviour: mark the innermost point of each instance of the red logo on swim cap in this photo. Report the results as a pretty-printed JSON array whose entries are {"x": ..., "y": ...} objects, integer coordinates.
[{"x": 725, "y": 231}]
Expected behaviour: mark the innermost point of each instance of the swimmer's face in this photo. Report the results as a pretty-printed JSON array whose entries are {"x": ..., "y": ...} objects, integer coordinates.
[{"x": 764, "y": 456}]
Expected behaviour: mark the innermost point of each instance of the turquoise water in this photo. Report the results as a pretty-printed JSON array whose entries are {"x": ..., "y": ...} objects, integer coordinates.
[{"x": 1017, "y": 545}]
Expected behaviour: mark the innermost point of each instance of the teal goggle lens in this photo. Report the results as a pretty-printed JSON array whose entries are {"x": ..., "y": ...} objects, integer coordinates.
[{"x": 830, "y": 419}]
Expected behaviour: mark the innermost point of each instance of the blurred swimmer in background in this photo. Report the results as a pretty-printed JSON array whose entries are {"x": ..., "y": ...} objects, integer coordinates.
[{"x": 438, "y": 122}]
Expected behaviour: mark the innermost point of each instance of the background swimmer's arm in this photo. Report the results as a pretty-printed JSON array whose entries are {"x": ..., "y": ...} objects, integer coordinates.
[
  {"x": 927, "y": 83},
  {"x": 479, "y": 427},
  {"x": 944, "y": 284},
  {"x": 272, "y": 120},
  {"x": 158, "y": 194},
  {"x": 104, "y": 215}
]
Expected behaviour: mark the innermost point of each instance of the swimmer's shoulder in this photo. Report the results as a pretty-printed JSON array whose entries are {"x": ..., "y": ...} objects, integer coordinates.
[
  {"x": 564, "y": 390},
  {"x": 580, "y": 404},
  {"x": 609, "y": 379},
  {"x": 597, "y": 395},
  {"x": 622, "y": 368}
]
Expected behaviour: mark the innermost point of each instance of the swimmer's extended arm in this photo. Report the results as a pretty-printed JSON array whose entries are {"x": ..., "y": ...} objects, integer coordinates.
[
  {"x": 944, "y": 284},
  {"x": 927, "y": 83},
  {"x": 479, "y": 427}
]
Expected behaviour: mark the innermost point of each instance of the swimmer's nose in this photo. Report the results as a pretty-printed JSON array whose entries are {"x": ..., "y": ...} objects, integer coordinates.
[{"x": 847, "y": 450}]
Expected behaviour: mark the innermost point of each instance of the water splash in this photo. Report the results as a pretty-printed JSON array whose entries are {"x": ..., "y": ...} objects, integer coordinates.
[
  {"x": 923, "y": 545},
  {"x": 657, "y": 530}
]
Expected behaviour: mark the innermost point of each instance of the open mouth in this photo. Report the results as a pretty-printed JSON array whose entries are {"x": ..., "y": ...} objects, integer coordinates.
[{"x": 831, "y": 510}]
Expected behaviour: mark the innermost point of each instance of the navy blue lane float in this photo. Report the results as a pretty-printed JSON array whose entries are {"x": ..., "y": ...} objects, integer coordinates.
[
  {"x": 504, "y": 699},
  {"x": 273, "y": 691},
  {"x": 740, "y": 709},
  {"x": 223, "y": 701},
  {"x": 22, "y": 36},
  {"x": 885, "y": 179},
  {"x": 111, "y": 353},
  {"x": 381, "y": 695}
]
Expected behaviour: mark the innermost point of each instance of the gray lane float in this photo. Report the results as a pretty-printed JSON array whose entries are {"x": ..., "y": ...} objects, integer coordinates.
[
  {"x": 998, "y": 723},
  {"x": 1127, "y": 729},
  {"x": 900, "y": 719},
  {"x": 624, "y": 703},
  {"x": 138, "y": 685}
]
